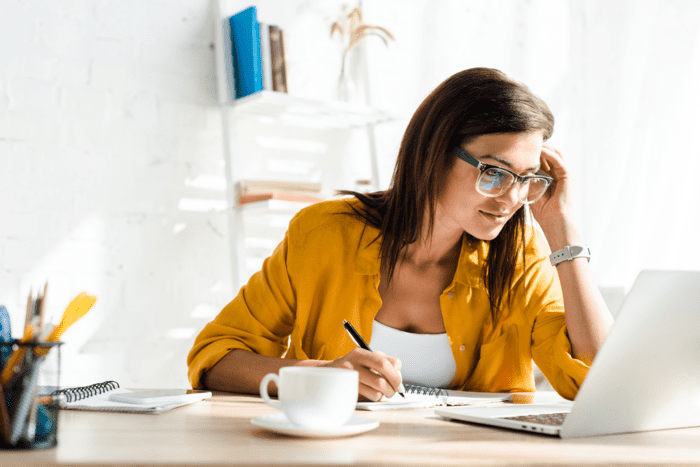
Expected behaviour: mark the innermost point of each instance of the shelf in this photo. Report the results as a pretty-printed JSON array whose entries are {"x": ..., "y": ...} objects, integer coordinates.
[
  {"x": 257, "y": 197},
  {"x": 273, "y": 206},
  {"x": 332, "y": 114}
]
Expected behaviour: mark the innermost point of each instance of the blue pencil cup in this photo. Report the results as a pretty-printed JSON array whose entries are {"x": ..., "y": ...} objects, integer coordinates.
[{"x": 28, "y": 413}]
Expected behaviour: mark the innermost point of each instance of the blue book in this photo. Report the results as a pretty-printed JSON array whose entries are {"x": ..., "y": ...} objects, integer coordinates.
[
  {"x": 5, "y": 336},
  {"x": 247, "y": 63}
]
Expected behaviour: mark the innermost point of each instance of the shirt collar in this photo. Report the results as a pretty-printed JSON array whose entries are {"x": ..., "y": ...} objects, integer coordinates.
[{"x": 472, "y": 256}]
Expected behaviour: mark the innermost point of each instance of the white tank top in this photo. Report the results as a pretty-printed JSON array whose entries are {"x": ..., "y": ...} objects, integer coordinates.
[{"x": 427, "y": 359}]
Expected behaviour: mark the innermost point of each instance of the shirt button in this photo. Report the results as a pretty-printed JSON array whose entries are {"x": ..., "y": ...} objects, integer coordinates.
[
  {"x": 462, "y": 347},
  {"x": 451, "y": 295}
]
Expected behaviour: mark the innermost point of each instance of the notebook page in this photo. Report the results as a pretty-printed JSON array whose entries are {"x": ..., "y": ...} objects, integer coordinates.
[
  {"x": 454, "y": 397},
  {"x": 101, "y": 402},
  {"x": 412, "y": 401},
  {"x": 446, "y": 397}
]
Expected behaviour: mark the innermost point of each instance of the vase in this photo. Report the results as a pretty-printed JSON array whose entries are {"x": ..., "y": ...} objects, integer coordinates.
[{"x": 347, "y": 89}]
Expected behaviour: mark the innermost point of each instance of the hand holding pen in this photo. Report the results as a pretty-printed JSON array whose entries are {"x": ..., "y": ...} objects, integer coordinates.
[{"x": 387, "y": 368}]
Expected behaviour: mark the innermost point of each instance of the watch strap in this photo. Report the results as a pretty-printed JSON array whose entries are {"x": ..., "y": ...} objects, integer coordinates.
[{"x": 570, "y": 252}]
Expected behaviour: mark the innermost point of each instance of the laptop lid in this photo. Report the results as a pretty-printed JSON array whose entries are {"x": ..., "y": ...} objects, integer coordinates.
[{"x": 646, "y": 376}]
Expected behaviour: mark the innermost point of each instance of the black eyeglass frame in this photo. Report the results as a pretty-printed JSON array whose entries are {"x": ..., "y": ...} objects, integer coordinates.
[{"x": 521, "y": 179}]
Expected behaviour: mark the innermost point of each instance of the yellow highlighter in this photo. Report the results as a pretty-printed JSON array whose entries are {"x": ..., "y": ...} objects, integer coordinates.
[{"x": 75, "y": 310}]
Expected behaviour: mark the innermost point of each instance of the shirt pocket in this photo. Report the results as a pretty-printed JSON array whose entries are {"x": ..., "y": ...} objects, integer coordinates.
[{"x": 503, "y": 366}]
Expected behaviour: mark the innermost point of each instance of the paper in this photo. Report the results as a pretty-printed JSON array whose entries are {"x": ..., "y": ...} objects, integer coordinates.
[
  {"x": 101, "y": 402},
  {"x": 158, "y": 397},
  {"x": 412, "y": 401},
  {"x": 420, "y": 401},
  {"x": 475, "y": 398}
]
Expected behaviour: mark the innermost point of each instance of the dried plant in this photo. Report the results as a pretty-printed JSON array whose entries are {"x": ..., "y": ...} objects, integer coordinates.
[{"x": 352, "y": 30}]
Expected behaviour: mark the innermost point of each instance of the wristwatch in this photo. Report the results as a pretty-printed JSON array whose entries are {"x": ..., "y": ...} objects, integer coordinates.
[{"x": 570, "y": 252}]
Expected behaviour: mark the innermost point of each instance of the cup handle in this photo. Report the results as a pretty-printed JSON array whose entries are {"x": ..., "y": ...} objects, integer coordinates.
[{"x": 263, "y": 389}]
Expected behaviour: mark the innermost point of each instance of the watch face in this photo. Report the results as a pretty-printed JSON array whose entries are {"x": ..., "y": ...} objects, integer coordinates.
[{"x": 575, "y": 250}]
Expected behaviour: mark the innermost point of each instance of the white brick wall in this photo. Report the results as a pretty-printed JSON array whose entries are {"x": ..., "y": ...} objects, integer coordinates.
[
  {"x": 107, "y": 113},
  {"x": 106, "y": 108}
]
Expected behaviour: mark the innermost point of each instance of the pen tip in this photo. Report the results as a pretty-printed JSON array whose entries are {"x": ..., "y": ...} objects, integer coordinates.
[{"x": 402, "y": 395}]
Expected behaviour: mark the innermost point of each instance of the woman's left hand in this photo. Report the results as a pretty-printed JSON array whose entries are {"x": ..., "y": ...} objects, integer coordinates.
[
  {"x": 554, "y": 210},
  {"x": 556, "y": 201}
]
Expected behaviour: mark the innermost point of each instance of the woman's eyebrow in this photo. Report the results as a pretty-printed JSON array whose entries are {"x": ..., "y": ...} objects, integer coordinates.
[{"x": 508, "y": 164}]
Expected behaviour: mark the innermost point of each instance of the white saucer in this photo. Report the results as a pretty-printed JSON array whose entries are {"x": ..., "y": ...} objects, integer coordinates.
[{"x": 279, "y": 423}]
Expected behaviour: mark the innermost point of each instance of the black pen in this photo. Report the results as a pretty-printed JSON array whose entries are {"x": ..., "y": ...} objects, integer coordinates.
[{"x": 363, "y": 345}]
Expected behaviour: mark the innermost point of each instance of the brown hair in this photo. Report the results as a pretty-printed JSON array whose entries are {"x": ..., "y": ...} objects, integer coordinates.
[{"x": 469, "y": 104}]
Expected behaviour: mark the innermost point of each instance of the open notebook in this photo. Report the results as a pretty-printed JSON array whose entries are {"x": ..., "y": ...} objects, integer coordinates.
[
  {"x": 421, "y": 397},
  {"x": 98, "y": 397}
]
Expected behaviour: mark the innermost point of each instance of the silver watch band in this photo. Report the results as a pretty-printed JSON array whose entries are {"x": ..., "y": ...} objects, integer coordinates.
[{"x": 570, "y": 252}]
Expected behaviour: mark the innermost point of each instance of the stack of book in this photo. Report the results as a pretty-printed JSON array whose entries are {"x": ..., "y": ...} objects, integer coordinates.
[
  {"x": 250, "y": 191},
  {"x": 258, "y": 54}
]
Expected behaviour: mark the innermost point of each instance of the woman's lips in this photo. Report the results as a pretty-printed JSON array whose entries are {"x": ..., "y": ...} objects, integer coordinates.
[{"x": 493, "y": 217}]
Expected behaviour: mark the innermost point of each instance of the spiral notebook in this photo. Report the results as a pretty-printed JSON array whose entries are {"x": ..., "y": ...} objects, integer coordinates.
[
  {"x": 97, "y": 397},
  {"x": 418, "y": 397}
]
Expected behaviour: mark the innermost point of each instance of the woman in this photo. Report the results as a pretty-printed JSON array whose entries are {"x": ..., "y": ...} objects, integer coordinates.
[{"x": 443, "y": 267}]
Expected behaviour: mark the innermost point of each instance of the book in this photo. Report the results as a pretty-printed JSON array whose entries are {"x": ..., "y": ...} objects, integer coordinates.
[
  {"x": 247, "y": 65},
  {"x": 266, "y": 186},
  {"x": 101, "y": 397},
  {"x": 265, "y": 56},
  {"x": 419, "y": 397},
  {"x": 253, "y": 197},
  {"x": 279, "y": 67}
]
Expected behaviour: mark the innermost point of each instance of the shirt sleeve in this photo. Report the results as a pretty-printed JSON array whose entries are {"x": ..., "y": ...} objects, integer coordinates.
[
  {"x": 550, "y": 345},
  {"x": 259, "y": 319}
]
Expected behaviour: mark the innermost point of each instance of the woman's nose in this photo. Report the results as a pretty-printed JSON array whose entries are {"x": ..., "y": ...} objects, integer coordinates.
[{"x": 513, "y": 195}]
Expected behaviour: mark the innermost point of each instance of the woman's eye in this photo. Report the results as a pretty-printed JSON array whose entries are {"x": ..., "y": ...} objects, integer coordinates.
[{"x": 497, "y": 173}]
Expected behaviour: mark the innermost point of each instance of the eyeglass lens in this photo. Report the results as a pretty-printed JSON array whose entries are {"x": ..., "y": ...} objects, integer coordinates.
[{"x": 494, "y": 182}]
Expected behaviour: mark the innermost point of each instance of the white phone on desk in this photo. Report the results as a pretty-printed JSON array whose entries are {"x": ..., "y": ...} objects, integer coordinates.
[{"x": 161, "y": 396}]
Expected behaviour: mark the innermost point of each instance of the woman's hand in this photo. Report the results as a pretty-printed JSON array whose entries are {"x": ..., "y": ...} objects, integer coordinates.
[
  {"x": 554, "y": 210},
  {"x": 379, "y": 373},
  {"x": 556, "y": 201}
]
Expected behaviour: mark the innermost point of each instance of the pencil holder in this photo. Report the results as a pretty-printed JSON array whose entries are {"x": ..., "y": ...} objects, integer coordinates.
[{"x": 28, "y": 411}]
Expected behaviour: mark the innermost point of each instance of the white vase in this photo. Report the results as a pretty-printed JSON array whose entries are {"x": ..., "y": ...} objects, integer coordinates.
[{"x": 348, "y": 89}]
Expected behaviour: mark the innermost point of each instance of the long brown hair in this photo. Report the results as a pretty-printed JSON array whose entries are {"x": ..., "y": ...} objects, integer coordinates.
[{"x": 469, "y": 104}]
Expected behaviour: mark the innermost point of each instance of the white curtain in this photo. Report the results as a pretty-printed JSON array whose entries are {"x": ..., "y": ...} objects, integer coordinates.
[{"x": 621, "y": 77}]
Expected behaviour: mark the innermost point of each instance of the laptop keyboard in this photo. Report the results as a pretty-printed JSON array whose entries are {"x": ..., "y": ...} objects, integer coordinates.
[{"x": 543, "y": 418}]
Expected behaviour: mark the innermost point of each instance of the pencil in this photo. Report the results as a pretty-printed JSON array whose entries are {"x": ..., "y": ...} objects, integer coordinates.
[
  {"x": 355, "y": 336},
  {"x": 5, "y": 424},
  {"x": 42, "y": 307},
  {"x": 28, "y": 317}
]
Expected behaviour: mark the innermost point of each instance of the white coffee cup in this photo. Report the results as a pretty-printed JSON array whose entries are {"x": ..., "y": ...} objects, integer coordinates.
[{"x": 314, "y": 397}]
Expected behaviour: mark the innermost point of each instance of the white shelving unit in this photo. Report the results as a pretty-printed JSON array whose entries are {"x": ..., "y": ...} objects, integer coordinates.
[
  {"x": 330, "y": 114},
  {"x": 282, "y": 109}
]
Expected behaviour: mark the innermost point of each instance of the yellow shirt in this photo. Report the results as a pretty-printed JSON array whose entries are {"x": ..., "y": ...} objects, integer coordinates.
[{"x": 327, "y": 269}]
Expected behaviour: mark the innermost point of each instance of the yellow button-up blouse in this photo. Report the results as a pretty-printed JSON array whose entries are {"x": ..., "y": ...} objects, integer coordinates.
[{"x": 327, "y": 269}]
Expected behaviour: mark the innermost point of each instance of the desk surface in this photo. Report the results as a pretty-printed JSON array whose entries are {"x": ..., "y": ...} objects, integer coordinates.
[{"x": 218, "y": 432}]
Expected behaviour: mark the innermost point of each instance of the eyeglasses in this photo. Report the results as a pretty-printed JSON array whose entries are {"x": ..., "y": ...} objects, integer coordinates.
[{"x": 494, "y": 181}]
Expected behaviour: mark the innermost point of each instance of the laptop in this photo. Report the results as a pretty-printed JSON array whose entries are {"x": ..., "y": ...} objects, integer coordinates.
[{"x": 646, "y": 376}]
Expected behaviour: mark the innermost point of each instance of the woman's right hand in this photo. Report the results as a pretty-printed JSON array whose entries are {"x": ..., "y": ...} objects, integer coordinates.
[{"x": 379, "y": 373}]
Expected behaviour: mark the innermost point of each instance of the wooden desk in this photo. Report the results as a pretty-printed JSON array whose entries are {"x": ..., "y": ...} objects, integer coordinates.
[{"x": 218, "y": 432}]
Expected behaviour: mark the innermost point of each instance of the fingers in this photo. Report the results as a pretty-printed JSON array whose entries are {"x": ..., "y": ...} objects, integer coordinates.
[
  {"x": 379, "y": 373},
  {"x": 386, "y": 367},
  {"x": 369, "y": 394},
  {"x": 553, "y": 163},
  {"x": 552, "y": 160},
  {"x": 374, "y": 386},
  {"x": 557, "y": 199}
]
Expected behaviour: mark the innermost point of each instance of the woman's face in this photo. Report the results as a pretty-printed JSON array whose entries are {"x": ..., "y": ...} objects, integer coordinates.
[{"x": 460, "y": 206}]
